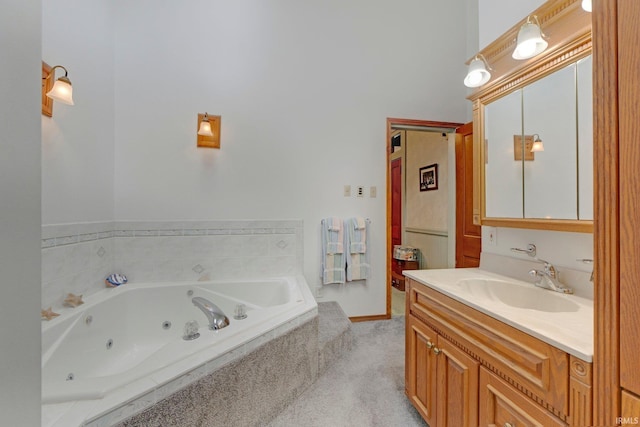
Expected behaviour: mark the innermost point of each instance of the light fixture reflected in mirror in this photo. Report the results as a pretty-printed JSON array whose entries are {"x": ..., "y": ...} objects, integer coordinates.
[
  {"x": 208, "y": 131},
  {"x": 537, "y": 143},
  {"x": 478, "y": 73},
  {"x": 205, "y": 126},
  {"x": 62, "y": 91},
  {"x": 586, "y": 5},
  {"x": 530, "y": 40}
]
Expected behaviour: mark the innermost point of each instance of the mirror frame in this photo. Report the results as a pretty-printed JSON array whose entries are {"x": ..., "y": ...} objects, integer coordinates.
[{"x": 568, "y": 30}]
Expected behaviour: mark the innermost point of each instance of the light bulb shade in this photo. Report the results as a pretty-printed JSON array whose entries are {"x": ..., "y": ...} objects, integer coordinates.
[
  {"x": 62, "y": 91},
  {"x": 537, "y": 146},
  {"x": 205, "y": 128},
  {"x": 478, "y": 74},
  {"x": 586, "y": 5},
  {"x": 530, "y": 42}
]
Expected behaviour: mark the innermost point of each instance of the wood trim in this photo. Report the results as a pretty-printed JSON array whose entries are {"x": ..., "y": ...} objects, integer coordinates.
[
  {"x": 390, "y": 123},
  {"x": 606, "y": 358},
  {"x": 541, "y": 224},
  {"x": 355, "y": 319},
  {"x": 47, "y": 84},
  {"x": 580, "y": 392}
]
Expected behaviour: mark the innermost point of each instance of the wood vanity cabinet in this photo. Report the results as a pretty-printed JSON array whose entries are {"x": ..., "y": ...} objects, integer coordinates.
[{"x": 464, "y": 368}]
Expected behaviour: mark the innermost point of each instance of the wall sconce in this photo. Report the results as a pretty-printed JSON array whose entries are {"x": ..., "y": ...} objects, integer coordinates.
[
  {"x": 530, "y": 41},
  {"x": 478, "y": 73},
  {"x": 62, "y": 91},
  {"x": 208, "y": 131},
  {"x": 537, "y": 143}
]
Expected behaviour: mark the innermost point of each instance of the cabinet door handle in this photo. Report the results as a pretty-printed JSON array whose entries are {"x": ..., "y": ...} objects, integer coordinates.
[
  {"x": 429, "y": 345},
  {"x": 437, "y": 351},
  {"x": 508, "y": 425}
]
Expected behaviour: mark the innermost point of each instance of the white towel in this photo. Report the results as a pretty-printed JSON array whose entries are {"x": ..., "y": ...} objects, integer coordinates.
[
  {"x": 332, "y": 262},
  {"x": 358, "y": 267}
]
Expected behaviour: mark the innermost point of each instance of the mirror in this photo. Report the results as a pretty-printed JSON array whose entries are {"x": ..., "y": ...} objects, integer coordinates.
[
  {"x": 547, "y": 100},
  {"x": 556, "y": 183}
]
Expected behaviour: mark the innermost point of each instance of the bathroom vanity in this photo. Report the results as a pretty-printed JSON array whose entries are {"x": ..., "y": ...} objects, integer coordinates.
[{"x": 477, "y": 354}]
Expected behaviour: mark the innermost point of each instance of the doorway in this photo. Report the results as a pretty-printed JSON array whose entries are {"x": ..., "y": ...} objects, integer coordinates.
[{"x": 419, "y": 214}]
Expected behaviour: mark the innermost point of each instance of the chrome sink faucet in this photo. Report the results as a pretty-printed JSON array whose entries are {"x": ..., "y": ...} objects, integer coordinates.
[
  {"x": 217, "y": 319},
  {"x": 548, "y": 278}
]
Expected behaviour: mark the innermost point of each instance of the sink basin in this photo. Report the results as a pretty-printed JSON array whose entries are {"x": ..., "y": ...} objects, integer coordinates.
[{"x": 519, "y": 296}]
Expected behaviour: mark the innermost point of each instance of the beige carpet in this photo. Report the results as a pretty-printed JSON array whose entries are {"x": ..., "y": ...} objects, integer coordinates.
[{"x": 365, "y": 387}]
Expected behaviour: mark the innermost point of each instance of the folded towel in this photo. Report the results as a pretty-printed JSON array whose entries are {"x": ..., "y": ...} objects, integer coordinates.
[
  {"x": 335, "y": 235},
  {"x": 357, "y": 235},
  {"x": 332, "y": 262},
  {"x": 358, "y": 267}
]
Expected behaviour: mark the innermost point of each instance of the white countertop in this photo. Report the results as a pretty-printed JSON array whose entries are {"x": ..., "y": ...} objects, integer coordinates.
[{"x": 571, "y": 331}]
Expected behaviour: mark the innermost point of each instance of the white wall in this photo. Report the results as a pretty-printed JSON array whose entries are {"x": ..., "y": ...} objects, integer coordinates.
[
  {"x": 497, "y": 16},
  {"x": 78, "y": 141},
  {"x": 560, "y": 248},
  {"x": 303, "y": 89},
  {"x": 20, "y": 213}
]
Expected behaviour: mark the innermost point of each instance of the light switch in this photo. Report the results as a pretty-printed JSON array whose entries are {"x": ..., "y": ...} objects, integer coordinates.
[
  {"x": 373, "y": 192},
  {"x": 347, "y": 191}
]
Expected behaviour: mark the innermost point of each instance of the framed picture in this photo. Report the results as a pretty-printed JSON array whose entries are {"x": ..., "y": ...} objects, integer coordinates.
[{"x": 429, "y": 177}]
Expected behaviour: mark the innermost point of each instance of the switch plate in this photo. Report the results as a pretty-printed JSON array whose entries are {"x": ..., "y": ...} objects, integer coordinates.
[
  {"x": 360, "y": 191},
  {"x": 347, "y": 191},
  {"x": 492, "y": 236},
  {"x": 373, "y": 192}
]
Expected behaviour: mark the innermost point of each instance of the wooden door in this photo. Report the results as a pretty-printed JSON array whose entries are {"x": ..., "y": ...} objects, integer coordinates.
[
  {"x": 396, "y": 209},
  {"x": 502, "y": 405},
  {"x": 420, "y": 370},
  {"x": 468, "y": 234},
  {"x": 458, "y": 376}
]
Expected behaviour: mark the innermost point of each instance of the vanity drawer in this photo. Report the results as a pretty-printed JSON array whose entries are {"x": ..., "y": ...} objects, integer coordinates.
[{"x": 528, "y": 364}]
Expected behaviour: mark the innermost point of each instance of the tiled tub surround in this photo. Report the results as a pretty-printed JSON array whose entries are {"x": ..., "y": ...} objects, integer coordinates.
[
  {"x": 278, "y": 340},
  {"x": 78, "y": 257}
]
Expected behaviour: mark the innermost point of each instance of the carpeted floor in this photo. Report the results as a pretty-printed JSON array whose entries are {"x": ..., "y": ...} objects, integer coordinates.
[{"x": 363, "y": 388}]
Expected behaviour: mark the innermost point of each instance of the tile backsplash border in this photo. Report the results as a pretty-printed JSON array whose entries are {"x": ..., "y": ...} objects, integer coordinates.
[{"x": 77, "y": 257}]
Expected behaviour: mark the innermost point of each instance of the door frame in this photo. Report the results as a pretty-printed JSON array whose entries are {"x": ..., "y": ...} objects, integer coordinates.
[{"x": 391, "y": 122}]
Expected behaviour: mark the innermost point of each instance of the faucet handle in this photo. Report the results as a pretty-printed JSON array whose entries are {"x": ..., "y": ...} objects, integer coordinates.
[{"x": 531, "y": 250}]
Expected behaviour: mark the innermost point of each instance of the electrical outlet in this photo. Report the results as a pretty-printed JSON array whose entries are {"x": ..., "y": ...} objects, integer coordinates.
[
  {"x": 492, "y": 236},
  {"x": 347, "y": 191},
  {"x": 360, "y": 191},
  {"x": 373, "y": 192}
]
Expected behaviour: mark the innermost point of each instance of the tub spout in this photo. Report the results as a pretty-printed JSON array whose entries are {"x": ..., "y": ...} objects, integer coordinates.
[{"x": 217, "y": 319}]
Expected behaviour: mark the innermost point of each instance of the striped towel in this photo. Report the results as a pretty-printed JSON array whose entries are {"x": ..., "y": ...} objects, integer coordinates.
[
  {"x": 332, "y": 263},
  {"x": 358, "y": 267}
]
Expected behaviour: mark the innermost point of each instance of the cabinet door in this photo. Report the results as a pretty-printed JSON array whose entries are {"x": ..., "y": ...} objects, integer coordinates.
[
  {"x": 421, "y": 369},
  {"x": 503, "y": 406},
  {"x": 457, "y": 386}
]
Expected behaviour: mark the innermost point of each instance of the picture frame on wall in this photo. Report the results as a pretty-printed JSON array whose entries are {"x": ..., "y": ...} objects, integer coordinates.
[{"x": 429, "y": 177}]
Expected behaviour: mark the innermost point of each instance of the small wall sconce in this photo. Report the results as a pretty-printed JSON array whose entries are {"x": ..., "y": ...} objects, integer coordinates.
[
  {"x": 586, "y": 5},
  {"x": 537, "y": 143},
  {"x": 60, "y": 91},
  {"x": 530, "y": 41},
  {"x": 478, "y": 72},
  {"x": 208, "y": 131}
]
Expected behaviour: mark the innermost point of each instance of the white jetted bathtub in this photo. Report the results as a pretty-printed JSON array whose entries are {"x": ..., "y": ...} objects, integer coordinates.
[{"x": 128, "y": 341}]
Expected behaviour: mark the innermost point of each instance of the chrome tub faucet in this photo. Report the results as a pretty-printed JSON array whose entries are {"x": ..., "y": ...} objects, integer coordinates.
[{"x": 217, "y": 319}]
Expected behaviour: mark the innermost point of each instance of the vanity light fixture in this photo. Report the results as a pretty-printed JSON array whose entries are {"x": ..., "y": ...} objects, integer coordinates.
[
  {"x": 62, "y": 91},
  {"x": 537, "y": 143},
  {"x": 530, "y": 41},
  {"x": 478, "y": 73},
  {"x": 208, "y": 131},
  {"x": 586, "y": 5}
]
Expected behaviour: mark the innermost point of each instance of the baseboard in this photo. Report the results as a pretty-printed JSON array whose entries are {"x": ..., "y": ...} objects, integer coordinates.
[{"x": 369, "y": 318}]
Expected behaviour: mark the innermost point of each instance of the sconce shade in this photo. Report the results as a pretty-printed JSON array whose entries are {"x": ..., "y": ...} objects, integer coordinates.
[
  {"x": 537, "y": 144},
  {"x": 530, "y": 41},
  {"x": 62, "y": 91},
  {"x": 586, "y": 5},
  {"x": 205, "y": 127},
  {"x": 478, "y": 73}
]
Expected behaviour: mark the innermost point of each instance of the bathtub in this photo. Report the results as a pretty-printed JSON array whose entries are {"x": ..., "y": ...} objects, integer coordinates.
[{"x": 128, "y": 341}]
